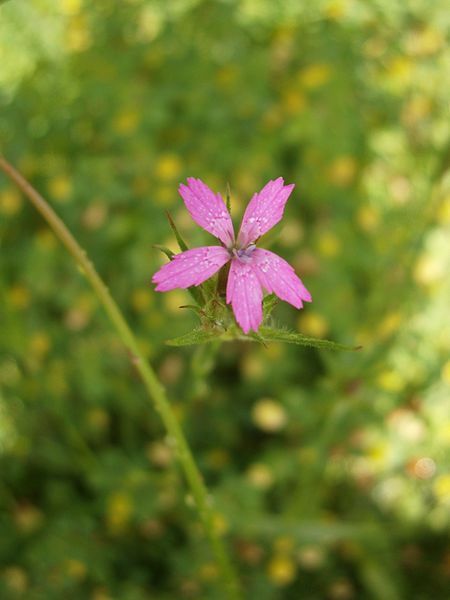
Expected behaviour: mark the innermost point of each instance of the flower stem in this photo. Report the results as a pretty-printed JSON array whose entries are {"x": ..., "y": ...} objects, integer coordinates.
[{"x": 153, "y": 386}]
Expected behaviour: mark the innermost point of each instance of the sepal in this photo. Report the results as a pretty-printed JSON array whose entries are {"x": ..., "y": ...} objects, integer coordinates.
[
  {"x": 269, "y": 303},
  {"x": 165, "y": 251},
  {"x": 181, "y": 243}
]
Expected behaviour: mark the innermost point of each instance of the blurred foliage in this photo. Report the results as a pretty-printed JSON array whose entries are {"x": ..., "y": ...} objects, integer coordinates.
[{"x": 331, "y": 471}]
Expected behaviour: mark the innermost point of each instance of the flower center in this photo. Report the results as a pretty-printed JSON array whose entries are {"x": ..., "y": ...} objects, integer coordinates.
[{"x": 244, "y": 255}]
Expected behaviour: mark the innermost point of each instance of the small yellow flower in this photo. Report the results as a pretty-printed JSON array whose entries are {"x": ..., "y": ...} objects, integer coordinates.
[
  {"x": 368, "y": 218},
  {"x": 281, "y": 570},
  {"x": 119, "y": 511},
  {"x": 443, "y": 211},
  {"x": 78, "y": 36},
  {"x": 391, "y": 381},
  {"x": 429, "y": 270},
  {"x": 252, "y": 366},
  {"x": 378, "y": 453},
  {"x": 399, "y": 72},
  {"x": 425, "y": 42},
  {"x": 28, "y": 518},
  {"x": 60, "y": 188},
  {"x": 269, "y": 415},
  {"x": 168, "y": 167},
  {"x": 159, "y": 454},
  {"x": 70, "y": 7},
  {"x": 390, "y": 324},
  {"x": 416, "y": 110},
  {"x": 75, "y": 569},
  {"x": 329, "y": 244},
  {"x": 10, "y": 202},
  {"x": 311, "y": 557},
  {"x": 445, "y": 373},
  {"x": 313, "y": 323},
  {"x": 220, "y": 524},
  {"x": 336, "y": 9},
  {"x": 19, "y": 297},
  {"x": 293, "y": 102},
  {"x": 126, "y": 122},
  {"x": 260, "y": 476},
  {"x": 441, "y": 487},
  {"x": 16, "y": 580},
  {"x": 209, "y": 572},
  {"x": 39, "y": 344},
  {"x": 95, "y": 215},
  {"x": 291, "y": 234},
  {"x": 342, "y": 171},
  {"x": 315, "y": 76}
]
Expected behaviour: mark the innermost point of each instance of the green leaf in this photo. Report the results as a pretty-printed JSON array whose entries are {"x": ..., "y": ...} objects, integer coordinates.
[
  {"x": 181, "y": 243},
  {"x": 291, "y": 337},
  {"x": 228, "y": 198},
  {"x": 196, "y": 336},
  {"x": 165, "y": 251},
  {"x": 197, "y": 294},
  {"x": 269, "y": 304}
]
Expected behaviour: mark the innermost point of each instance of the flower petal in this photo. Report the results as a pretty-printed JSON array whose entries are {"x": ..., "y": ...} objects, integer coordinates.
[
  {"x": 245, "y": 295},
  {"x": 264, "y": 211},
  {"x": 192, "y": 267},
  {"x": 277, "y": 276},
  {"x": 208, "y": 210}
]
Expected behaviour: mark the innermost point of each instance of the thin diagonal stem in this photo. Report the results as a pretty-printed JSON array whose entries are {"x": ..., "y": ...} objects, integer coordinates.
[{"x": 154, "y": 388}]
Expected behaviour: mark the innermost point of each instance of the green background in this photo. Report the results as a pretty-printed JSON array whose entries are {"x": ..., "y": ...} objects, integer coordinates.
[{"x": 330, "y": 470}]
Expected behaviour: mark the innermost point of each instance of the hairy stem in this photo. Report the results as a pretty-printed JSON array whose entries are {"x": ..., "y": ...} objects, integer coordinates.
[{"x": 154, "y": 388}]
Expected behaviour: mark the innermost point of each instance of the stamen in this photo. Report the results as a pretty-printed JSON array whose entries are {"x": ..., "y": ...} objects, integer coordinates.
[{"x": 244, "y": 255}]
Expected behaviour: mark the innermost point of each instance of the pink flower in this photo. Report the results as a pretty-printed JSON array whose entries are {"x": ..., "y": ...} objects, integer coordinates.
[{"x": 252, "y": 268}]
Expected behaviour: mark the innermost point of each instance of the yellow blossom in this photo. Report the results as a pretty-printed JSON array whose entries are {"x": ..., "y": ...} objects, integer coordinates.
[
  {"x": 75, "y": 569},
  {"x": 126, "y": 122},
  {"x": 70, "y": 7},
  {"x": 391, "y": 381},
  {"x": 329, "y": 244},
  {"x": 441, "y": 487},
  {"x": 281, "y": 570},
  {"x": 342, "y": 171},
  {"x": 315, "y": 76},
  {"x": 168, "y": 167},
  {"x": 269, "y": 415},
  {"x": 368, "y": 218},
  {"x": 312, "y": 323},
  {"x": 119, "y": 511},
  {"x": 10, "y": 202},
  {"x": 19, "y": 297},
  {"x": 260, "y": 476},
  {"x": 60, "y": 188}
]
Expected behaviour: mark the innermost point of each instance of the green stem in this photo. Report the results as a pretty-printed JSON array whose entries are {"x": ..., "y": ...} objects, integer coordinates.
[{"x": 154, "y": 388}]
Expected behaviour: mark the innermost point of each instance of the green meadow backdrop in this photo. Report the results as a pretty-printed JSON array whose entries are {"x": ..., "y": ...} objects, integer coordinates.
[{"x": 330, "y": 471}]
